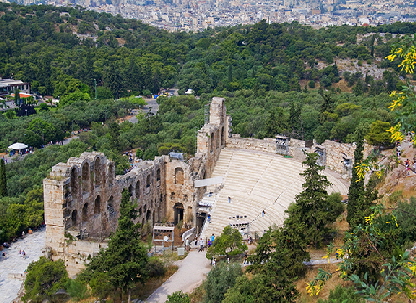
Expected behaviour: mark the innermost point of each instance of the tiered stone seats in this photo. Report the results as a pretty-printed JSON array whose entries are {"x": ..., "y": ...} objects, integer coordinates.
[{"x": 261, "y": 187}]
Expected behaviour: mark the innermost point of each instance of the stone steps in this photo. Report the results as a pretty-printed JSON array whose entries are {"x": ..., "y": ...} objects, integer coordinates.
[{"x": 257, "y": 182}]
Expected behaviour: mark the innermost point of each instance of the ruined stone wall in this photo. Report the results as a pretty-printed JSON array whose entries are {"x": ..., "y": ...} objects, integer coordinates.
[
  {"x": 181, "y": 195},
  {"x": 82, "y": 200},
  {"x": 213, "y": 135},
  {"x": 82, "y": 197}
]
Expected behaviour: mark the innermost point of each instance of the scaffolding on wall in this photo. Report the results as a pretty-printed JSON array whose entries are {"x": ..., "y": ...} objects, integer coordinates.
[
  {"x": 163, "y": 235},
  {"x": 282, "y": 145}
]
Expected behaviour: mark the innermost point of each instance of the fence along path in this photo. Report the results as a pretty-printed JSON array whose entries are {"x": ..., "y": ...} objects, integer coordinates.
[{"x": 261, "y": 187}]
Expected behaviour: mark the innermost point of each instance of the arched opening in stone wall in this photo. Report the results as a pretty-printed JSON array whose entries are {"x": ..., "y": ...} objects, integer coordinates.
[
  {"x": 110, "y": 207},
  {"x": 179, "y": 175},
  {"x": 97, "y": 172},
  {"x": 218, "y": 136},
  {"x": 138, "y": 190},
  {"x": 178, "y": 212},
  {"x": 130, "y": 189},
  {"x": 97, "y": 205},
  {"x": 148, "y": 180},
  {"x": 158, "y": 174},
  {"x": 212, "y": 143},
  {"x": 85, "y": 212},
  {"x": 222, "y": 137},
  {"x": 74, "y": 217},
  {"x": 148, "y": 215},
  {"x": 110, "y": 174},
  {"x": 85, "y": 177},
  {"x": 189, "y": 215},
  {"x": 74, "y": 182}
]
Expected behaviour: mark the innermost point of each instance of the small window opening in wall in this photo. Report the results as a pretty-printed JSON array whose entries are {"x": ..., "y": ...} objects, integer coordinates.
[
  {"x": 158, "y": 174},
  {"x": 179, "y": 175},
  {"x": 85, "y": 177},
  {"x": 97, "y": 172},
  {"x": 85, "y": 212},
  {"x": 74, "y": 183},
  {"x": 74, "y": 218},
  {"x": 110, "y": 207},
  {"x": 97, "y": 205},
  {"x": 148, "y": 181}
]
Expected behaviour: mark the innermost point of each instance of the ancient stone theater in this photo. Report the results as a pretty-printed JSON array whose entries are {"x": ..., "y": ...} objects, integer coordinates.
[{"x": 245, "y": 183}]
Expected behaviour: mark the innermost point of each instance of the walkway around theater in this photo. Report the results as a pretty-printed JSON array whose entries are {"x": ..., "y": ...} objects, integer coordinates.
[
  {"x": 191, "y": 273},
  {"x": 13, "y": 265}
]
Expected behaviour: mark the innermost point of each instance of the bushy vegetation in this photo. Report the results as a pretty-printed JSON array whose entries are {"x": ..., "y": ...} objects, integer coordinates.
[{"x": 122, "y": 56}]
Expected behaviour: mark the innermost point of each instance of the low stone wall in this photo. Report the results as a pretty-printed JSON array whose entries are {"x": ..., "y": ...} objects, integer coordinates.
[
  {"x": 266, "y": 145},
  {"x": 338, "y": 155},
  {"x": 78, "y": 253}
]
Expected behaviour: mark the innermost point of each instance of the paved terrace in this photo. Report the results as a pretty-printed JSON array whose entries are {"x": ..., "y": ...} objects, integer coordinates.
[
  {"x": 13, "y": 265},
  {"x": 261, "y": 187}
]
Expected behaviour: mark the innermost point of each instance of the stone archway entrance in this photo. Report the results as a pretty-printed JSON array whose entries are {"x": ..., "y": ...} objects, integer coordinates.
[{"x": 178, "y": 211}]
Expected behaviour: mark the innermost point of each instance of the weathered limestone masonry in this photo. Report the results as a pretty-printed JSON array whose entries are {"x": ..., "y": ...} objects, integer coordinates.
[
  {"x": 336, "y": 156},
  {"x": 82, "y": 197}
]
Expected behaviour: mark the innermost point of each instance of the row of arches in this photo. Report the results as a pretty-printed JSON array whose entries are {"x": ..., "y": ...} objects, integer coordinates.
[
  {"x": 85, "y": 216},
  {"x": 87, "y": 179}
]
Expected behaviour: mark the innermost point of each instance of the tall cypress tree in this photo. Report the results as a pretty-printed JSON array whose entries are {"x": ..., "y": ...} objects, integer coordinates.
[
  {"x": 3, "y": 179},
  {"x": 312, "y": 213},
  {"x": 359, "y": 200},
  {"x": 125, "y": 261}
]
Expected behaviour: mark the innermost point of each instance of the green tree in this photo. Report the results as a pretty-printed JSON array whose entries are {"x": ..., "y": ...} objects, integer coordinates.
[
  {"x": 343, "y": 295},
  {"x": 359, "y": 200},
  {"x": 178, "y": 297},
  {"x": 261, "y": 288},
  {"x": 378, "y": 134},
  {"x": 73, "y": 98},
  {"x": 219, "y": 280},
  {"x": 312, "y": 212},
  {"x": 407, "y": 220},
  {"x": 125, "y": 260},
  {"x": 40, "y": 132},
  {"x": 44, "y": 278},
  {"x": 229, "y": 243},
  {"x": 374, "y": 259},
  {"x": 276, "y": 264},
  {"x": 10, "y": 114},
  {"x": 3, "y": 179}
]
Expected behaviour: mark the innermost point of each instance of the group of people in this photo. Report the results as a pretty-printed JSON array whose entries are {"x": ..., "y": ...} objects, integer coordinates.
[
  {"x": 409, "y": 166},
  {"x": 200, "y": 243},
  {"x": 22, "y": 253}
]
